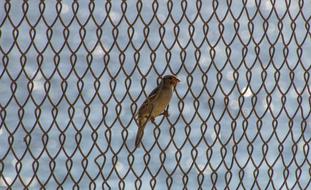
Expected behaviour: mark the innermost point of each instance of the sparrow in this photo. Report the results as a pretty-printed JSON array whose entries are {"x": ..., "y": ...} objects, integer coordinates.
[{"x": 155, "y": 104}]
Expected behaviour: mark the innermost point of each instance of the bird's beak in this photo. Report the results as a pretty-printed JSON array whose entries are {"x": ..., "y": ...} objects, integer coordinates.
[{"x": 176, "y": 80}]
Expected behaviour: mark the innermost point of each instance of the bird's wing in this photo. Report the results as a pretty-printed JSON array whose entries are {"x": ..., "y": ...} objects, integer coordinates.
[
  {"x": 145, "y": 107},
  {"x": 154, "y": 94}
]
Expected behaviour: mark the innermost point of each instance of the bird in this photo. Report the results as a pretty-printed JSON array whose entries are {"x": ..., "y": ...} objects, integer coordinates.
[{"x": 155, "y": 104}]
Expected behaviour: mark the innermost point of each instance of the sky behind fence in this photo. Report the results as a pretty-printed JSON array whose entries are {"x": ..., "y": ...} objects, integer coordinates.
[{"x": 73, "y": 74}]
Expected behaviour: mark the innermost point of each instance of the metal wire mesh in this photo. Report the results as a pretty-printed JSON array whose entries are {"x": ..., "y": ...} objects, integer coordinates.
[{"x": 73, "y": 74}]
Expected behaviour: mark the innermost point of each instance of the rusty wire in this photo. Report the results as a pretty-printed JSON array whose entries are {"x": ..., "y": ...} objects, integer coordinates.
[{"x": 73, "y": 74}]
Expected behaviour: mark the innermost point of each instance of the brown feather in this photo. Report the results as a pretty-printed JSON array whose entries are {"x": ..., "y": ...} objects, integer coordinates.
[{"x": 142, "y": 121}]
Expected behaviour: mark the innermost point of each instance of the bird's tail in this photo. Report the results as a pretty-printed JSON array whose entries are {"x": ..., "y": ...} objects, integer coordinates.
[
  {"x": 139, "y": 136},
  {"x": 140, "y": 131}
]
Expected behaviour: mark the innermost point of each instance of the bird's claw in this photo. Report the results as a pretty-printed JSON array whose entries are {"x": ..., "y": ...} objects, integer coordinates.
[
  {"x": 152, "y": 119},
  {"x": 165, "y": 113}
]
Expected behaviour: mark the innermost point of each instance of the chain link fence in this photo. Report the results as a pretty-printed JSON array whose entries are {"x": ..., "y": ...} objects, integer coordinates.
[{"x": 73, "y": 74}]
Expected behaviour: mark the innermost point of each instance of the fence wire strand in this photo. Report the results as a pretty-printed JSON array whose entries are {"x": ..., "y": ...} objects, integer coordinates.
[{"x": 73, "y": 74}]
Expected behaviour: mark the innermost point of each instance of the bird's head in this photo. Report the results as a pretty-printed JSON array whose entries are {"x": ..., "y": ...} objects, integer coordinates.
[{"x": 170, "y": 80}]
